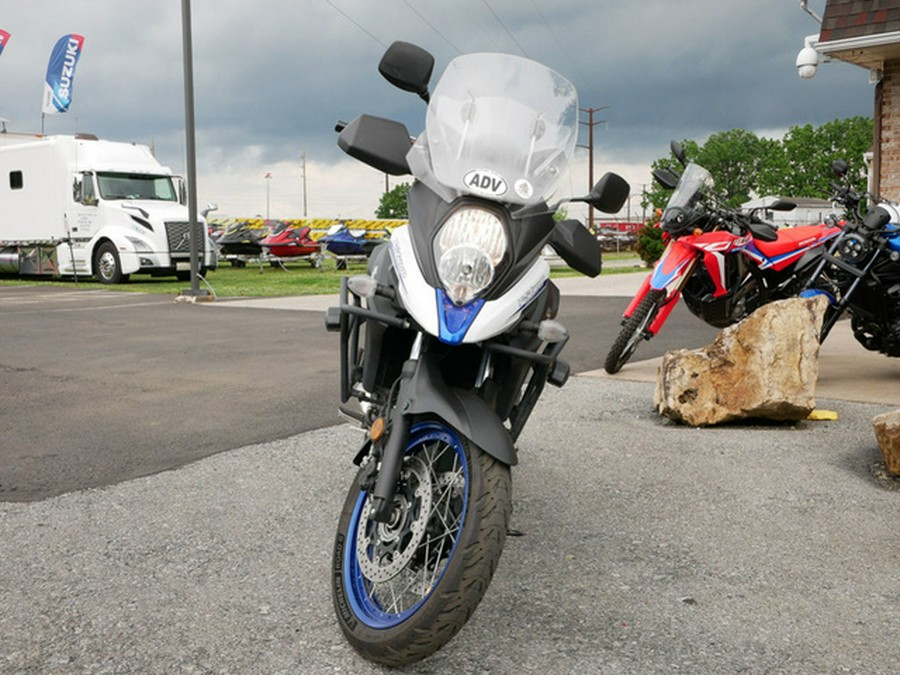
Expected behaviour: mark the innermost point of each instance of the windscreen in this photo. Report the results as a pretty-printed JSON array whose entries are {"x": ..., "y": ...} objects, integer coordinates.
[
  {"x": 501, "y": 127},
  {"x": 136, "y": 186}
]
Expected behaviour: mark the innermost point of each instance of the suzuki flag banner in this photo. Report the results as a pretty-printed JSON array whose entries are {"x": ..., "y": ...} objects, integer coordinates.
[
  {"x": 4, "y": 38},
  {"x": 61, "y": 73}
]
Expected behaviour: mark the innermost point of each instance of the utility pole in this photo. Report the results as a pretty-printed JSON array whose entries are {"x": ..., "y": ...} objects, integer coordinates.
[
  {"x": 591, "y": 123},
  {"x": 303, "y": 170}
]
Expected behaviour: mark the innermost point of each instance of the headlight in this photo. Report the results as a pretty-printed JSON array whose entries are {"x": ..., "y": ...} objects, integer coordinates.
[
  {"x": 853, "y": 248},
  {"x": 468, "y": 248}
]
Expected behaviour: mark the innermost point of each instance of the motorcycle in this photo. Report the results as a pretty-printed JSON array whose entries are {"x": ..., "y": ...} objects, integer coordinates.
[
  {"x": 725, "y": 263},
  {"x": 860, "y": 272},
  {"x": 449, "y": 340}
]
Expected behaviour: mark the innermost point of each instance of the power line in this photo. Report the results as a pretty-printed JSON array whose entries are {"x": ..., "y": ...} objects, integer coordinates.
[
  {"x": 431, "y": 26},
  {"x": 355, "y": 23},
  {"x": 559, "y": 44},
  {"x": 508, "y": 32}
]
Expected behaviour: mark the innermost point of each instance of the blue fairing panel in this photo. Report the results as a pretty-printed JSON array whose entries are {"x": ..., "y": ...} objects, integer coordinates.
[{"x": 454, "y": 321}]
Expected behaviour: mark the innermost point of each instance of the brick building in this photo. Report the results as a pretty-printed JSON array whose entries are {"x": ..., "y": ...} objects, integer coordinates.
[{"x": 867, "y": 33}]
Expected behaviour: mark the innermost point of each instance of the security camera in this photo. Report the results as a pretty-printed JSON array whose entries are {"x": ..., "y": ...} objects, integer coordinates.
[{"x": 807, "y": 59}]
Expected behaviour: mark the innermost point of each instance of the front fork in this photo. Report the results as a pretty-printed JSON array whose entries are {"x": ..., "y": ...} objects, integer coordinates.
[
  {"x": 394, "y": 447},
  {"x": 858, "y": 274},
  {"x": 682, "y": 261}
]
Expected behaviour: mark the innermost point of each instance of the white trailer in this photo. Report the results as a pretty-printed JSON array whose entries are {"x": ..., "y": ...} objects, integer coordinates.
[{"x": 76, "y": 205}]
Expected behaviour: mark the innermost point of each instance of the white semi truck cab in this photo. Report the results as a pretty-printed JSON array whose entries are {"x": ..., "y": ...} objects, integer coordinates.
[{"x": 77, "y": 205}]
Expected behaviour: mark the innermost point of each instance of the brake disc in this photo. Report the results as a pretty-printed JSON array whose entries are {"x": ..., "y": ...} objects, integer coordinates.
[{"x": 384, "y": 550}]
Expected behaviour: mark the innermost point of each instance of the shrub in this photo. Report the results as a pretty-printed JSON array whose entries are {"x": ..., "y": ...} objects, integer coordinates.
[{"x": 649, "y": 244}]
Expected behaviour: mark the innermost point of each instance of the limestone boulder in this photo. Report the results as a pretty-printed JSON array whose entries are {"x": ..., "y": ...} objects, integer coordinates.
[
  {"x": 765, "y": 367},
  {"x": 887, "y": 432}
]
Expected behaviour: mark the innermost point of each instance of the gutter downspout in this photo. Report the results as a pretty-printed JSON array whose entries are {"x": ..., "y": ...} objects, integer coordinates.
[{"x": 877, "y": 133}]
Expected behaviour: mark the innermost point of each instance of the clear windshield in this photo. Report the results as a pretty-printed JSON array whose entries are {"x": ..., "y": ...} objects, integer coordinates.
[
  {"x": 136, "y": 186},
  {"x": 501, "y": 127},
  {"x": 693, "y": 181}
]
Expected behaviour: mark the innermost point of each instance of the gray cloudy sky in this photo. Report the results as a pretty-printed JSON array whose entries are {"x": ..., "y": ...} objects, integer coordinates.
[{"x": 272, "y": 77}]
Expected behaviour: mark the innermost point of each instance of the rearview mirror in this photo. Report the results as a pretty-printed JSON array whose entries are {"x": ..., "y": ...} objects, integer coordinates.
[
  {"x": 407, "y": 67},
  {"x": 839, "y": 167},
  {"x": 665, "y": 178},
  {"x": 678, "y": 151},
  {"x": 609, "y": 193},
  {"x": 782, "y": 205}
]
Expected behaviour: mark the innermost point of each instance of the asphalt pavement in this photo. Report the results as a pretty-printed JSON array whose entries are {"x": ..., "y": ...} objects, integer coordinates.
[{"x": 646, "y": 547}]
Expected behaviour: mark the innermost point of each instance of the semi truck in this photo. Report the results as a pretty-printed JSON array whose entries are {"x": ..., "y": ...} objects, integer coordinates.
[{"x": 80, "y": 206}]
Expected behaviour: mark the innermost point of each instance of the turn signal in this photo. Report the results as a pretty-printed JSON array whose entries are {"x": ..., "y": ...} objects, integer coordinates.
[
  {"x": 552, "y": 331},
  {"x": 362, "y": 285},
  {"x": 697, "y": 231},
  {"x": 376, "y": 431}
]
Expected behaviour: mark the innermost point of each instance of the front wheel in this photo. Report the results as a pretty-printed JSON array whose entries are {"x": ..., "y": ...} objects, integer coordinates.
[
  {"x": 402, "y": 589},
  {"x": 633, "y": 331},
  {"x": 107, "y": 265}
]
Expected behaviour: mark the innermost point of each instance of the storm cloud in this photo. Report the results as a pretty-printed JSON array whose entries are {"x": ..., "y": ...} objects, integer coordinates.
[{"x": 271, "y": 78}]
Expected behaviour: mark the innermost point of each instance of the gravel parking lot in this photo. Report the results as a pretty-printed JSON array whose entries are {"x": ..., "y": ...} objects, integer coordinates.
[{"x": 647, "y": 547}]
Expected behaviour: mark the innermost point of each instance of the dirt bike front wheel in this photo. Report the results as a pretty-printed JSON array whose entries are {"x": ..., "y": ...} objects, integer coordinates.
[
  {"x": 633, "y": 331},
  {"x": 403, "y": 588}
]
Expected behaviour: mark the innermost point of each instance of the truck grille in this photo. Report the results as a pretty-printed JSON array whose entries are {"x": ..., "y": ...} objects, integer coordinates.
[{"x": 178, "y": 235}]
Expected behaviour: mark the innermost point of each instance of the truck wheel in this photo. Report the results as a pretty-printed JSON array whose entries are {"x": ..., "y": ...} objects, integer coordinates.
[{"x": 107, "y": 267}]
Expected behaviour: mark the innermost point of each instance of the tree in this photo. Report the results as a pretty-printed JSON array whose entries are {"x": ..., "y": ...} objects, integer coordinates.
[
  {"x": 735, "y": 159},
  {"x": 744, "y": 165},
  {"x": 393, "y": 203},
  {"x": 803, "y": 168}
]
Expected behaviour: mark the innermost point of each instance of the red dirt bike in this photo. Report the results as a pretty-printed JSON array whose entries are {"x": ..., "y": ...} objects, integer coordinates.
[{"x": 724, "y": 263}]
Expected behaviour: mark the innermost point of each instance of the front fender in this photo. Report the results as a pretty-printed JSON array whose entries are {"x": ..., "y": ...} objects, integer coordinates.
[
  {"x": 129, "y": 259},
  {"x": 462, "y": 409},
  {"x": 673, "y": 267}
]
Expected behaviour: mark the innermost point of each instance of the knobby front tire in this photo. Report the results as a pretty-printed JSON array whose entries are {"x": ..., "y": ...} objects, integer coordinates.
[
  {"x": 404, "y": 588},
  {"x": 632, "y": 332}
]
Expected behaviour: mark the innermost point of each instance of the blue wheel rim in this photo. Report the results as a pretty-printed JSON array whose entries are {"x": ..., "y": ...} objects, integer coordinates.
[{"x": 365, "y": 604}]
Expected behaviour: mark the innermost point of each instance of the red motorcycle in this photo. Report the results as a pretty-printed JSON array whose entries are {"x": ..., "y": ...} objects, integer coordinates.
[{"x": 724, "y": 263}]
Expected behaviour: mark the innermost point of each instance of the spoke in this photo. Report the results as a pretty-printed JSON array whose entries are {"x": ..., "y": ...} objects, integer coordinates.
[
  {"x": 442, "y": 524},
  {"x": 394, "y": 600}
]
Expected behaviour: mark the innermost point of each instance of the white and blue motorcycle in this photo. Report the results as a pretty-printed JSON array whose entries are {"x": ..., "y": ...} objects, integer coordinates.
[{"x": 449, "y": 340}]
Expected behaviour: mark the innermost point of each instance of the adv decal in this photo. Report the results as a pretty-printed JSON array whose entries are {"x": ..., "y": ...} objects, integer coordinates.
[{"x": 485, "y": 182}]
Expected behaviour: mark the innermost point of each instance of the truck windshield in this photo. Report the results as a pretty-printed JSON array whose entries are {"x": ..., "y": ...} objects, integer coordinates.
[{"x": 136, "y": 186}]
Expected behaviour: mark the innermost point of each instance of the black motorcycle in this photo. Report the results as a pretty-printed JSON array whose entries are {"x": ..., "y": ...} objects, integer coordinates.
[
  {"x": 860, "y": 273},
  {"x": 449, "y": 339}
]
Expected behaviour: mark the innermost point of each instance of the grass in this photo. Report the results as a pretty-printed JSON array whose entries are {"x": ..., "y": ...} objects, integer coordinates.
[{"x": 254, "y": 280}]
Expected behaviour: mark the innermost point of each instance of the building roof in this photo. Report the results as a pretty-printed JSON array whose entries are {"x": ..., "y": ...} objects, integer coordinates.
[
  {"x": 864, "y": 32},
  {"x": 845, "y": 19}
]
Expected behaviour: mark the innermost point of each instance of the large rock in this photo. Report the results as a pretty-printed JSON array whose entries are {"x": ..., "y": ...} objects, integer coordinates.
[
  {"x": 766, "y": 366},
  {"x": 887, "y": 432}
]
